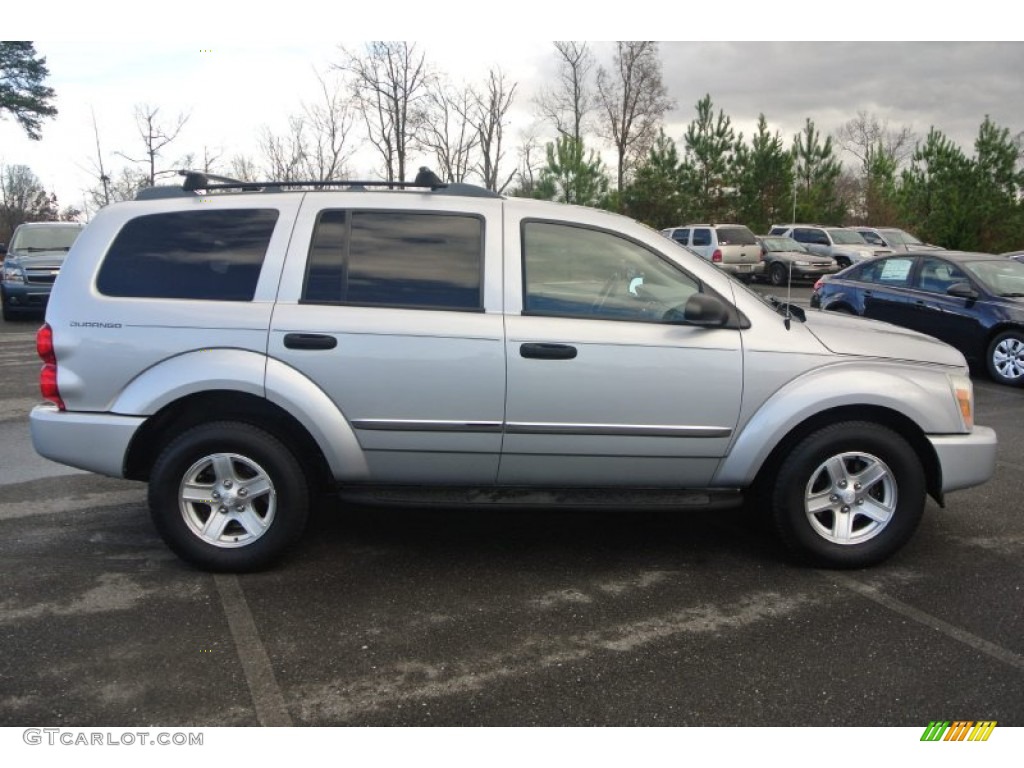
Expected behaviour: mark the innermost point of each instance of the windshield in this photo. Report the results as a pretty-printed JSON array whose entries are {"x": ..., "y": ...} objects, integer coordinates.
[
  {"x": 44, "y": 238},
  {"x": 782, "y": 244},
  {"x": 846, "y": 237},
  {"x": 1003, "y": 277},
  {"x": 901, "y": 237}
]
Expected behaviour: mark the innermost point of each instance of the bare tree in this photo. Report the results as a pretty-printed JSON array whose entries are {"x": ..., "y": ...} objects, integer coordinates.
[
  {"x": 329, "y": 124},
  {"x": 567, "y": 104},
  {"x": 865, "y": 136},
  {"x": 243, "y": 168},
  {"x": 101, "y": 173},
  {"x": 531, "y": 162},
  {"x": 633, "y": 100},
  {"x": 490, "y": 110},
  {"x": 449, "y": 132},
  {"x": 284, "y": 155},
  {"x": 155, "y": 136},
  {"x": 389, "y": 83}
]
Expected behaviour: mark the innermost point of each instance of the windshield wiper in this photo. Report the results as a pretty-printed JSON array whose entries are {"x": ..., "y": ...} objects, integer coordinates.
[
  {"x": 36, "y": 249},
  {"x": 1012, "y": 295},
  {"x": 787, "y": 309}
]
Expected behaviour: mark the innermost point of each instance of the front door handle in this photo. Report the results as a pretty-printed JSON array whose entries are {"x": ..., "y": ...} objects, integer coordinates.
[
  {"x": 548, "y": 351},
  {"x": 309, "y": 341}
]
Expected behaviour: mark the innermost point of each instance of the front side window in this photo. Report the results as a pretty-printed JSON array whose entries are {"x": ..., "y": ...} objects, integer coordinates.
[
  {"x": 579, "y": 272},
  {"x": 396, "y": 259},
  {"x": 681, "y": 235},
  {"x": 198, "y": 255},
  {"x": 937, "y": 275}
]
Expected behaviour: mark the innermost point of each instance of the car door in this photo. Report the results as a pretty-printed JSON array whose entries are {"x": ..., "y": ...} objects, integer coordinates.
[
  {"x": 885, "y": 290},
  {"x": 702, "y": 242},
  {"x": 602, "y": 391},
  {"x": 387, "y": 310},
  {"x": 953, "y": 319}
]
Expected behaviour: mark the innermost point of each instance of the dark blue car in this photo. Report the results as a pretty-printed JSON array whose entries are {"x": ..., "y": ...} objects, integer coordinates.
[{"x": 973, "y": 301}]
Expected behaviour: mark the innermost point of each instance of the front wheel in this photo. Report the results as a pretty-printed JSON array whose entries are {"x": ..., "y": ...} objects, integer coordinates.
[
  {"x": 228, "y": 496},
  {"x": 849, "y": 495},
  {"x": 779, "y": 274},
  {"x": 1005, "y": 358}
]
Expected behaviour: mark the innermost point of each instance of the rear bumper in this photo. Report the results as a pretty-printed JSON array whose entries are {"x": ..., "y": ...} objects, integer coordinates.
[
  {"x": 742, "y": 269},
  {"x": 97, "y": 442},
  {"x": 966, "y": 460}
]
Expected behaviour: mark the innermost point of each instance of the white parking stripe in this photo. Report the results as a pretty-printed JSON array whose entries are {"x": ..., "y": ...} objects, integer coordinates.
[
  {"x": 259, "y": 675},
  {"x": 989, "y": 649}
]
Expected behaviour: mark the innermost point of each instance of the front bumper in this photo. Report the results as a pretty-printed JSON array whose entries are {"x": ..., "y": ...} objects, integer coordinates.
[
  {"x": 965, "y": 460},
  {"x": 25, "y": 297},
  {"x": 97, "y": 442}
]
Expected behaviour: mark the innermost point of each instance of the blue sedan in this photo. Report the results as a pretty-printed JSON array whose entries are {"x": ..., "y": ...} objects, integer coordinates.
[{"x": 973, "y": 301}]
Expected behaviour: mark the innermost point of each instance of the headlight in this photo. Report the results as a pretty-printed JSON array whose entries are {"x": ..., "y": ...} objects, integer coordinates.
[
  {"x": 13, "y": 275},
  {"x": 801, "y": 263},
  {"x": 963, "y": 393}
]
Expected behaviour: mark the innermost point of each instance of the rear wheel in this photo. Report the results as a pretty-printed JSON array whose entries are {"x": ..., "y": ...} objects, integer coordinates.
[
  {"x": 1005, "y": 358},
  {"x": 842, "y": 261},
  {"x": 849, "y": 495},
  {"x": 228, "y": 496}
]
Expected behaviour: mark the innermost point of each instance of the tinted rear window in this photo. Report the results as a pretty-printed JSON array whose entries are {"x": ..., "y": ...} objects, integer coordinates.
[
  {"x": 208, "y": 255},
  {"x": 736, "y": 236}
]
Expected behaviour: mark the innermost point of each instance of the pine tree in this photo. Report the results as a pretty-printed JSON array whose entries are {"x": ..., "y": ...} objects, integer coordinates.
[{"x": 22, "y": 92}]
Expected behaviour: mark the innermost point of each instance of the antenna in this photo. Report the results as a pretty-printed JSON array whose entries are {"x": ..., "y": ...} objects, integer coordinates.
[{"x": 789, "y": 297}]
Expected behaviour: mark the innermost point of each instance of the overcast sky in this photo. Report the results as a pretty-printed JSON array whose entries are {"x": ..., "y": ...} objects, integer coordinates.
[{"x": 231, "y": 84}]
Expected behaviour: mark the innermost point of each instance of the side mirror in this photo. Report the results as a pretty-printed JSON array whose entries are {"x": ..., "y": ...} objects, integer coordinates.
[
  {"x": 701, "y": 310},
  {"x": 962, "y": 290}
]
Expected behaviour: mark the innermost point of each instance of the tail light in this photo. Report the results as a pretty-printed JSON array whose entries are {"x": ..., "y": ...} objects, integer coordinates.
[
  {"x": 48, "y": 373},
  {"x": 717, "y": 256},
  {"x": 818, "y": 283},
  {"x": 762, "y": 254}
]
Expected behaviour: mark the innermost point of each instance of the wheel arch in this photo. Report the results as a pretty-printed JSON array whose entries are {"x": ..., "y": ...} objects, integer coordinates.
[
  {"x": 224, "y": 405},
  {"x": 881, "y": 415}
]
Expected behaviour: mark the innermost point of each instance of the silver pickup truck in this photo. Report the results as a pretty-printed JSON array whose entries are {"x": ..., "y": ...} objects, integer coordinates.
[{"x": 241, "y": 345}]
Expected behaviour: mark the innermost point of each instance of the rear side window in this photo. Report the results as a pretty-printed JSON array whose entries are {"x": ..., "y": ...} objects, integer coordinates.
[
  {"x": 204, "y": 255},
  {"x": 396, "y": 259},
  {"x": 702, "y": 237}
]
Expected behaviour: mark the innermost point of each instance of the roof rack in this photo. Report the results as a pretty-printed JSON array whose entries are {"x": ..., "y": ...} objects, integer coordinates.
[{"x": 196, "y": 181}]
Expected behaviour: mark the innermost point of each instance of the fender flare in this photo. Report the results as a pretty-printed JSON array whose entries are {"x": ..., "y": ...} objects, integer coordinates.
[{"x": 879, "y": 385}]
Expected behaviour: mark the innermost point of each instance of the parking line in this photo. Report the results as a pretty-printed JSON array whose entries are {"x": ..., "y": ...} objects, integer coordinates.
[
  {"x": 990, "y": 649},
  {"x": 259, "y": 675}
]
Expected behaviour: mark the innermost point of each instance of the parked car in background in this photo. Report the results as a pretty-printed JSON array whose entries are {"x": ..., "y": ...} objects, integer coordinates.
[
  {"x": 32, "y": 263},
  {"x": 844, "y": 245},
  {"x": 973, "y": 301},
  {"x": 733, "y": 247},
  {"x": 785, "y": 259},
  {"x": 895, "y": 239},
  {"x": 1015, "y": 255}
]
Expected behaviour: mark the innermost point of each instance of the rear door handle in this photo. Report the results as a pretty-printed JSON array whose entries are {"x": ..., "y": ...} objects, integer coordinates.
[
  {"x": 548, "y": 351},
  {"x": 309, "y": 341}
]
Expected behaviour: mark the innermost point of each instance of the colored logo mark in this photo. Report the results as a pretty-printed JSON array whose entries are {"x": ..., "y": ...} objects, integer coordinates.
[{"x": 958, "y": 730}]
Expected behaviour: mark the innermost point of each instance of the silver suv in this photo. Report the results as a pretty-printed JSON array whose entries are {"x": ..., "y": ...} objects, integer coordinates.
[
  {"x": 733, "y": 247},
  {"x": 241, "y": 346},
  {"x": 846, "y": 246}
]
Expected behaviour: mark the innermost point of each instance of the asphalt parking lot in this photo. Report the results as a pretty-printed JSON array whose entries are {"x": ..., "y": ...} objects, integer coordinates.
[{"x": 399, "y": 616}]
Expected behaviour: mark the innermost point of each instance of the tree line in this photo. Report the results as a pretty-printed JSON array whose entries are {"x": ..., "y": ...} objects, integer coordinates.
[{"x": 389, "y": 97}]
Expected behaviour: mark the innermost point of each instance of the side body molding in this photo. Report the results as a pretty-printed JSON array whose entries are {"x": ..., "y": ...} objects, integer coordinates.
[{"x": 926, "y": 400}]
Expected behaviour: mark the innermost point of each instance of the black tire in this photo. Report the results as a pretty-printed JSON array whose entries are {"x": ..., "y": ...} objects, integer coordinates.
[
  {"x": 258, "y": 497},
  {"x": 778, "y": 274},
  {"x": 1005, "y": 358},
  {"x": 843, "y": 262},
  {"x": 826, "y": 518}
]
